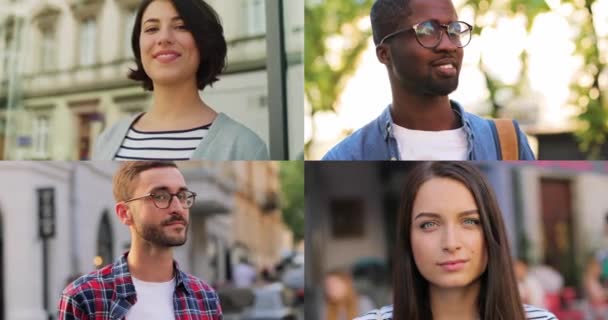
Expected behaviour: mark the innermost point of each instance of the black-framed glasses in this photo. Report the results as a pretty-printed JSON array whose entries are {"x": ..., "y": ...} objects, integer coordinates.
[
  {"x": 162, "y": 198},
  {"x": 429, "y": 33}
]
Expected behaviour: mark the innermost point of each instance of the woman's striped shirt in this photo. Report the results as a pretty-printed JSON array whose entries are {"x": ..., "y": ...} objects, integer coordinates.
[
  {"x": 161, "y": 145},
  {"x": 386, "y": 313}
]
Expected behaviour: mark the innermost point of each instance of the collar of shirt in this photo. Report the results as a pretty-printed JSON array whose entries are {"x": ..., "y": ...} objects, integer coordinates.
[
  {"x": 375, "y": 140},
  {"x": 124, "y": 283},
  {"x": 387, "y": 121}
]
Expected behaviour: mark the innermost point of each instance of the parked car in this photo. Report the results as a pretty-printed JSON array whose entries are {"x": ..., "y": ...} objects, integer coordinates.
[{"x": 271, "y": 302}]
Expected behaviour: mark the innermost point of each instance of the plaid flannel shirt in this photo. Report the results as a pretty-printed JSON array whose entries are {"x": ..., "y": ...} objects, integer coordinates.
[{"x": 108, "y": 293}]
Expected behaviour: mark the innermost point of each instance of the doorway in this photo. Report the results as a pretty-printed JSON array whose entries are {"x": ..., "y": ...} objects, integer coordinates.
[{"x": 558, "y": 235}]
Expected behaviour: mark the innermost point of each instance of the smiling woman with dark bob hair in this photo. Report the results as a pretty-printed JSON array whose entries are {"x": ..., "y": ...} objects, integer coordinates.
[
  {"x": 179, "y": 49},
  {"x": 452, "y": 257}
]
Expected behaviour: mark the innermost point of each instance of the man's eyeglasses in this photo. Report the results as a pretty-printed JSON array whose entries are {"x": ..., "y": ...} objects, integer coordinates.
[
  {"x": 162, "y": 198},
  {"x": 429, "y": 33}
]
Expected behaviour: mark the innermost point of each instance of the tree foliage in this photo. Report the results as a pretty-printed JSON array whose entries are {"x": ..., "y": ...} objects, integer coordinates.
[
  {"x": 327, "y": 69},
  {"x": 292, "y": 196}
]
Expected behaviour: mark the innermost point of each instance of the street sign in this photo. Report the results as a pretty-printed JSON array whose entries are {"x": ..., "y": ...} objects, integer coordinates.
[{"x": 46, "y": 212}]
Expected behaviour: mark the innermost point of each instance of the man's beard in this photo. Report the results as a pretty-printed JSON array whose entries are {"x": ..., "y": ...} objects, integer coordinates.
[
  {"x": 440, "y": 87},
  {"x": 156, "y": 235}
]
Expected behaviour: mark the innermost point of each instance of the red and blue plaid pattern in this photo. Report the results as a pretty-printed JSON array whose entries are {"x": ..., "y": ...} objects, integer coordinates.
[{"x": 108, "y": 293}]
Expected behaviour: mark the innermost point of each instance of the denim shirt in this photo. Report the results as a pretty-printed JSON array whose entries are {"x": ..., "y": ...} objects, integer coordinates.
[{"x": 375, "y": 141}]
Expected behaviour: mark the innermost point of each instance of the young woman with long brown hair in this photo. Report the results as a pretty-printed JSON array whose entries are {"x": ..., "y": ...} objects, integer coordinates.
[{"x": 452, "y": 258}]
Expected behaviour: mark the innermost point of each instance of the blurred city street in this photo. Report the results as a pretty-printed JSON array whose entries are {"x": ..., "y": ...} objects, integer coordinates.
[{"x": 245, "y": 234}]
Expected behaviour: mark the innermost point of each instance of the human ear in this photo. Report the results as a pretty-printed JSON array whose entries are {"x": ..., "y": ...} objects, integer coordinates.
[
  {"x": 123, "y": 213},
  {"x": 383, "y": 54}
]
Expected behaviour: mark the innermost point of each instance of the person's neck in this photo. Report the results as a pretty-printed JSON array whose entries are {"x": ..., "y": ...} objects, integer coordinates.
[
  {"x": 455, "y": 304},
  {"x": 150, "y": 263},
  {"x": 177, "y": 106},
  {"x": 423, "y": 112}
]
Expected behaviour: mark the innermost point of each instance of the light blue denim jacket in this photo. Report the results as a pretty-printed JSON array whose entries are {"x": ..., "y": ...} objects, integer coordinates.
[{"x": 375, "y": 141}]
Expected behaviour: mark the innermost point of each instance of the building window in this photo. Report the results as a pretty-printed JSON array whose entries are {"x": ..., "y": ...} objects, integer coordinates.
[
  {"x": 40, "y": 139},
  {"x": 48, "y": 51},
  {"x": 129, "y": 21},
  {"x": 88, "y": 41},
  {"x": 105, "y": 242},
  {"x": 8, "y": 49},
  {"x": 90, "y": 124},
  {"x": 255, "y": 17}
]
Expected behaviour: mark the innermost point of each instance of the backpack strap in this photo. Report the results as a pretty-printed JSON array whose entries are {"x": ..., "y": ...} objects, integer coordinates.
[{"x": 507, "y": 139}]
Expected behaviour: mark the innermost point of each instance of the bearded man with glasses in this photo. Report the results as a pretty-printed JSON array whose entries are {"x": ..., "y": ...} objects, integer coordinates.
[
  {"x": 152, "y": 199},
  {"x": 421, "y": 43}
]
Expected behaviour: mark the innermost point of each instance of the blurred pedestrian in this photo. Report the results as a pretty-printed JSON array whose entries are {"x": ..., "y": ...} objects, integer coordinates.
[
  {"x": 550, "y": 279},
  {"x": 595, "y": 293},
  {"x": 452, "y": 258},
  {"x": 342, "y": 302},
  {"x": 244, "y": 274},
  {"x": 152, "y": 199},
  {"x": 530, "y": 290},
  {"x": 601, "y": 254}
]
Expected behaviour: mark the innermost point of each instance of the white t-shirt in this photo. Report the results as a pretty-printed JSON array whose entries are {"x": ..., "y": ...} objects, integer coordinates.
[
  {"x": 431, "y": 145},
  {"x": 154, "y": 300}
]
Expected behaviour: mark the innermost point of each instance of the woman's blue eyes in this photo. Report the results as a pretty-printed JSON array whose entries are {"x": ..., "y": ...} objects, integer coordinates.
[
  {"x": 473, "y": 221},
  {"x": 426, "y": 225},
  {"x": 430, "y": 224}
]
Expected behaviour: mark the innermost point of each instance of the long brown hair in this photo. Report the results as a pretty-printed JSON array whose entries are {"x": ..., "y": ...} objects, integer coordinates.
[
  {"x": 498, "y": 297},
  {"x": 349, "y": 304}
]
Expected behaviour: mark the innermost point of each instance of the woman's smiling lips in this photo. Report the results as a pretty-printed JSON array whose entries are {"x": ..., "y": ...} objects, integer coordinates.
[{"x": 166, "y": 56}]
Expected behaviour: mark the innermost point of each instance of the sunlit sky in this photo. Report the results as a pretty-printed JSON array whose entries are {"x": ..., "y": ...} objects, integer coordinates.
[{"x": 545, "y": 106}]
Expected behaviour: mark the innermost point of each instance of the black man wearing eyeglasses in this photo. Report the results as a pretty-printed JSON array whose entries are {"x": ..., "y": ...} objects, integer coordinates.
[{"x": 420, "y": 42}]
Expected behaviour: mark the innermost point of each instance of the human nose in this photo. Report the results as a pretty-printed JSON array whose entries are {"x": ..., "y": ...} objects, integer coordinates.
[
  {"x": 176, "y": 205},
  {"x": 445, "y": 43},
  {"x": 451, "y": 239},
  {"x": 165, "y": 36}
]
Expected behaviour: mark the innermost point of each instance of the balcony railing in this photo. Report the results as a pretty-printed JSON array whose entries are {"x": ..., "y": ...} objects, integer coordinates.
[{"x": 113, "y": 74}]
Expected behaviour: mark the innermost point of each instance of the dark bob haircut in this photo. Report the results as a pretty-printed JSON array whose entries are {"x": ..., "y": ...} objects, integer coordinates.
[
  {"x": 499, "y": 296},
  {"x": 204, "y": 24}
]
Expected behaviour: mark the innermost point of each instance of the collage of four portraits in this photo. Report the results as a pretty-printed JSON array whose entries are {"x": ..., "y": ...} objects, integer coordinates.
[{"x": 303, "y": 159}]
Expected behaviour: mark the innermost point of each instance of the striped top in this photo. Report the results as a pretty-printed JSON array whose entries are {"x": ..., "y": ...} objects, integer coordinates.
[
  {"x": 161, "y": 145},
  {"x": 386, "y": 313}
]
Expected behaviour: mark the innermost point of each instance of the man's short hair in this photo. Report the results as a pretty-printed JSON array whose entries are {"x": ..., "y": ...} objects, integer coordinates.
[
  {"x": 126, "y": 177},
  {"x": 386, "y": 15}
]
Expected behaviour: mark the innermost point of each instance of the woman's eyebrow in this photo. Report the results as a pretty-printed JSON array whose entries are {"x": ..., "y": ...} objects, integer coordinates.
[
  {"x": 436, "y": 215},
  {"x": 156, "y": 20}
]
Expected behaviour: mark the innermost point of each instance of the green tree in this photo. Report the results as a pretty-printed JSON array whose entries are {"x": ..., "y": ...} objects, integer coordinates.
[
  {"x": 292, "y": 196},
  {"x": 327, "y": 71},
  {"x": 587, "y": 94},
  {"x": 530, "y": 8},
  {"x": 593, "y": 116}
]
